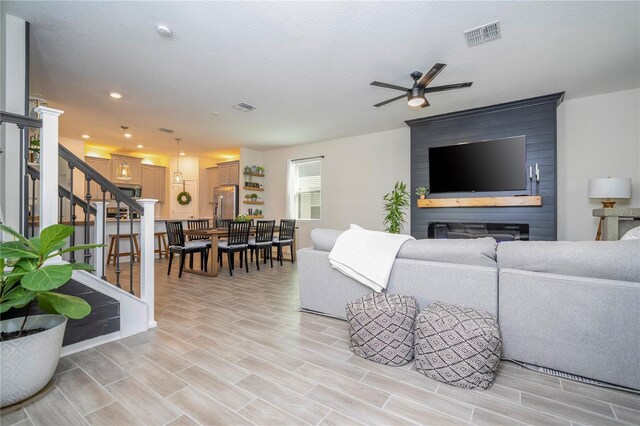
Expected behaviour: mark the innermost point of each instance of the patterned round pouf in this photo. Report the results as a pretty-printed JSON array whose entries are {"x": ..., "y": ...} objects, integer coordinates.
[
  {"x": 457, "y": 345},
  {"x": 381, "y": 327}
]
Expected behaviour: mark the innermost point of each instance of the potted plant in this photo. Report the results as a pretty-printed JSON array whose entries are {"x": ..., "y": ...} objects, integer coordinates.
[
  {"x": 30, "y": 345},
  {"x": 247, "y": 170},
  {"x": 243, "y": 218},
  {"x": 254, "y": 197},
  {"x": 395, "y": 203},
  {"x": 422, "y": 192},
  {"x": 248, "y": 196},
  {"x": 260, "y": 170}
]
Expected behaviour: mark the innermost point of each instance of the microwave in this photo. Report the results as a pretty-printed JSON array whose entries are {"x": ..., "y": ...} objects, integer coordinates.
[{"x": 132, "y": 191}]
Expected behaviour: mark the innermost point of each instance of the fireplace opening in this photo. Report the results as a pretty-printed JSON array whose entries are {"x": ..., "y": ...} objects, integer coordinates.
[{"x": 464, "y": 230}]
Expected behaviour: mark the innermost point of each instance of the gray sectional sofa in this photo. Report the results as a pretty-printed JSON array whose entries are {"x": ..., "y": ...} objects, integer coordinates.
[{"x": 569, "y": 306}]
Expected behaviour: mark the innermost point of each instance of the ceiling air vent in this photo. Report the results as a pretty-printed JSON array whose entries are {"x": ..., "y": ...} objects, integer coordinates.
[
  {"x": 483, "y": 34},
  {"x": 244, "y": 107},
  {"x": 162, "y": 129}
]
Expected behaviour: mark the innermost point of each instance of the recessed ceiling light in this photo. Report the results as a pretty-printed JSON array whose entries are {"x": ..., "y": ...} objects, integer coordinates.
[
  {"x": 127, "y": 135},
  {"x": 140, "y": 146},
  {"x": 86, "y": 136},
  {"x": 115, "y": 95},
  {"x": 216, "y": 113},
  {"x": 164, "y": 31},
  {"x": 183, "y": 154}
]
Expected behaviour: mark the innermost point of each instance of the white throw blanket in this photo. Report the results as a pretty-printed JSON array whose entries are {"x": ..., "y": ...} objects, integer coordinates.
[{"x": 367, "y": 256}]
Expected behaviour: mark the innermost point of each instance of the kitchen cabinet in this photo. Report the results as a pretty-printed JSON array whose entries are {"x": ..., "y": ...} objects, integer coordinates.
[
  {"x": 229, "y": 173},
  {"x": 212, "y": 182},
  {"x": 136, "y": 169},
  {"x": 153, "y": 182},
  {"x": 102, "y": 166}
]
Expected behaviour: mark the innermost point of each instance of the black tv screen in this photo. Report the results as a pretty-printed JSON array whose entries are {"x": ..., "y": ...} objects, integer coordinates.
[{"x": 497, "y": 165}]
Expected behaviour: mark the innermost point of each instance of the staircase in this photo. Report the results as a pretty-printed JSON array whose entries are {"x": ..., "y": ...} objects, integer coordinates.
[{"x": 58, "y": 189}]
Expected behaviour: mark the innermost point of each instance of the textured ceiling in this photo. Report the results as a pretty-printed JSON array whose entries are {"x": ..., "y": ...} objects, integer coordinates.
[{"x": 306, "y": 66}]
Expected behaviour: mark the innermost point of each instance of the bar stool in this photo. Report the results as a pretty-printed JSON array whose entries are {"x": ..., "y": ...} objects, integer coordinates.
[
  {"x": 163, "y": 245},
  {"x": 112, "y": 246}
]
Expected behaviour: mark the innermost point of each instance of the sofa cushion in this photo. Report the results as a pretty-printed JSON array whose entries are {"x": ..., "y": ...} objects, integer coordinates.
[
  {"x": 324, "y": 239},
  {"x": 477, "y": 251},
  {"x": 613, "y": 260}
]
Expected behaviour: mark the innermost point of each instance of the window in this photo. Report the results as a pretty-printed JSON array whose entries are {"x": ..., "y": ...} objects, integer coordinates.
[{"x": 304, "y": 188}]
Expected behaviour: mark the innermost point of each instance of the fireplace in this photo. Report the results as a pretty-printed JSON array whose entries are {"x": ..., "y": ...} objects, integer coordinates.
[{"x": 464, "y": 230}]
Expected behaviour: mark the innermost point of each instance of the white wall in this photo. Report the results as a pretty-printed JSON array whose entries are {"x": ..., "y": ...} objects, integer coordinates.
[
  {"x": 356, "y": 173},
  {"x": 598, "y": 136},
  {"x": 12, "y": 97}
]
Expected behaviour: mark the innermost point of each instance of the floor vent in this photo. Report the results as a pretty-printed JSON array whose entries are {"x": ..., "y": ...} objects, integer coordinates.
[
  {"x": 483, "y": 34},
  {"x": 244, "y": 107}
]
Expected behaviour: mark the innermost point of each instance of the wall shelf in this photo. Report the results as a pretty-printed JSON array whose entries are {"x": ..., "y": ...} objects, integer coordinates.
[
  {"x": 253, "y": 189},
  {"x": 524, "y": 201},
  {"x": 255, "y": 216},
  {"x": 254, "y": 174},
  {"x": 253, "y": 202}
]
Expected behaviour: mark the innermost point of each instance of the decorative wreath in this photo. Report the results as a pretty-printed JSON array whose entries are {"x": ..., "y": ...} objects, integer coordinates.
[{"x": 184, "y": 198}]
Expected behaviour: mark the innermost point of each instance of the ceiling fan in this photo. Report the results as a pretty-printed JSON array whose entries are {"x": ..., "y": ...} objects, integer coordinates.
[{"x": 416, "y": 94}]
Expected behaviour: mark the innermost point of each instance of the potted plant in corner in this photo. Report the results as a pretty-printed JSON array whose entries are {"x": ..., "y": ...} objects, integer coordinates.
[
  {"x": 395, "y": 203},
  {"x": 30, "y": 345},
  {"x": 422, "y": 192}
]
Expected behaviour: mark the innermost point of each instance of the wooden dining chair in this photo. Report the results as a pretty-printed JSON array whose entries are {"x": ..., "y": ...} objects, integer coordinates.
[
  {"x": 198, "y": 224},
  {"x": 237, "y": 242},
  {"x": 177, "y": 244},
  {"x": 263, "y": 240},
  {"x": 285, "y": 238}
]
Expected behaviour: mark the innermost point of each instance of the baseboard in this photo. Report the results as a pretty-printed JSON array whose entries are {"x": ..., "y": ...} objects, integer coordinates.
[{"x": 91, "y": 343}]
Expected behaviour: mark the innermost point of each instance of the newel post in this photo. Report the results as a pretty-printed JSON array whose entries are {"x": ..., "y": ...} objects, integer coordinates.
[
  {"x": 48, "y": 165},
  {"x": 147, "y": 275}
]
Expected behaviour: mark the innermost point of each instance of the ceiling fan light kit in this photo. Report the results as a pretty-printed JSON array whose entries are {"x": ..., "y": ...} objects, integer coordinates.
[
  {"x": 416, "y": 97},
  {"x": 416, "y": 94}
]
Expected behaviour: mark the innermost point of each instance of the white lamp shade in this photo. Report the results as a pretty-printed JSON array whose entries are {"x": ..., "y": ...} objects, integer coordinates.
[{"x": 610, "y": 188}]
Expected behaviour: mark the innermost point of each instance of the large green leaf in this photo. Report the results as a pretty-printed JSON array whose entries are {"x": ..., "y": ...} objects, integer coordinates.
[
  {"x": 81, "y": 247},
  {"x": 16, "y": 249},
  {"x": 16, "y": 299},
  {"x": 51, "y": 236},
  {"x": 81, "y": 266},
  {"x": 10, "y": 230},
  {"x": 70, "y": 306},
  {"x": 47, "y": 277}
]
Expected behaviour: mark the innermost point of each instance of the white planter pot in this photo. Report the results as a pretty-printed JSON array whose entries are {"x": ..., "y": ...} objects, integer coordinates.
[{"x": 28, "y": 363}]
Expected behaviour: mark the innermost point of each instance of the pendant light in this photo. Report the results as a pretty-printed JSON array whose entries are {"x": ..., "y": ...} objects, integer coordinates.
[
  {"x": 123, "y": 172},
  {"x": 177, "y": 175}
]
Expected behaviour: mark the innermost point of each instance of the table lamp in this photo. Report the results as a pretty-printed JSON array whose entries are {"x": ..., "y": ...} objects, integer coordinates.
[{"x": 608, "y": 188}]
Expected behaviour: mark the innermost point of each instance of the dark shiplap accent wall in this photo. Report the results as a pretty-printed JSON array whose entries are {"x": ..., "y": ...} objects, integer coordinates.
[{"x": 534, "y": 118}]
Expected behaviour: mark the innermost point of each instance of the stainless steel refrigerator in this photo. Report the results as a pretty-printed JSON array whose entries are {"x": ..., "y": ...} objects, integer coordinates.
[{"x": 225, "y": 202}]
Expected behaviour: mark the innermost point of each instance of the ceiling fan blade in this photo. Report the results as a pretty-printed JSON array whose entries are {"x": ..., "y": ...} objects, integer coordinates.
[
  {"x": 389, "y": 86},
  {"x": 433, "y": 72},
  {"x": 447, "y": 87},
  {"x": 425, "y": 104},
  {"x": 388, "y": 101}
]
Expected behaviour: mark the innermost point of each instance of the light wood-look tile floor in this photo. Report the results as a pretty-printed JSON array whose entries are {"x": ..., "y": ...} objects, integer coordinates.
[{"x": 235, "y": 351}]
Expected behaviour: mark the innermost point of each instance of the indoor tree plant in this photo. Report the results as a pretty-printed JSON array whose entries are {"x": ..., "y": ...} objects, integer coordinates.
[
  {"x": 31, "y": 345},
  {"x": 395, "y": 204}
]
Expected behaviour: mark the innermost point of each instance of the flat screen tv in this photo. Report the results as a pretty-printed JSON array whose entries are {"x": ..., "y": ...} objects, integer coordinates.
[{"x": 497, "y": 165}]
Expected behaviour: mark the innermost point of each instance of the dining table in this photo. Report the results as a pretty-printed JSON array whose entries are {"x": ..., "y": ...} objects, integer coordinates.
[{"x": 214, "y": 234}]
